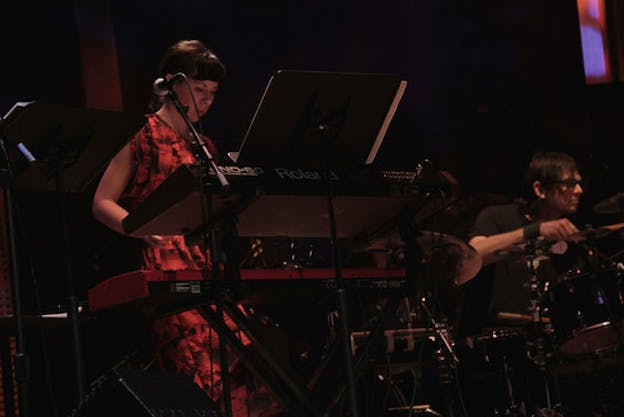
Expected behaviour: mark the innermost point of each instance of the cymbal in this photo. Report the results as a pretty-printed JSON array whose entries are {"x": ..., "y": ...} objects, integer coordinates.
[
  {"x": 457, "y": 257},
  {"x": 456, "y": 216},
  {"x": 611, "y": 205},
  {"x": 545, "y": 248},
  {"x": 542, "y": 249},
  {"x": 596, "y": 232}
]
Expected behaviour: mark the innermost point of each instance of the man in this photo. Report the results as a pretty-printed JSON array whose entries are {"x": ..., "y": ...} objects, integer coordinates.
[
  {"x": 502, "y": 291},
  {"x": 553, "y": 190}
]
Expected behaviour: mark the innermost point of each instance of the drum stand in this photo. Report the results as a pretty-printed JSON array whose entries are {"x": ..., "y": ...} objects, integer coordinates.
[
  {"x": 537, "y": 334},
  {"x": 595, "y": 267},
  {"x": 445, "y": 355}
]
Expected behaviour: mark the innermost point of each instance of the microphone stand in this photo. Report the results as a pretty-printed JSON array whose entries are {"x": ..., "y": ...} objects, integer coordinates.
[
  {"x": 206, "y": 161},
  {"x": 21, "y": 361}
]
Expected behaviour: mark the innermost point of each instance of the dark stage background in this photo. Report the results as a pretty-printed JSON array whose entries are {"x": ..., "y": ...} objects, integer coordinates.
[{"x": 488, "y": 83}]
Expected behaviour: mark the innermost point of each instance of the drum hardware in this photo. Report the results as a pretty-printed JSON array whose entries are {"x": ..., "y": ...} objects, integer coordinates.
[
  {"x": 445, "y": 343},
  {"x": 285, "y": 253},
  {"x": 415, "y": 410},
  {"x": 396, "y": 340},
  {"x": 498, "y": 362},
  {"x": 519, "y": 318},
  {"x": 541, "y": 249},
  {"x": 591, "y": 233},
  {"x": 536, "y": 338},
  {"x": 462, "y": 260},
  {"x": 412, "y": 356},
  {"x": 587, "y": 308},
  {"x": 428, "y": 254},
  {"x": 586, "y": 311},
  {"x": 611, "y": 259},
  {"x": 255, "y": 257}
]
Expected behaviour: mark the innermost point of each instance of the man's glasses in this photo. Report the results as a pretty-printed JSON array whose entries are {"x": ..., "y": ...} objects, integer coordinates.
[{"x": 569, "y": 184}]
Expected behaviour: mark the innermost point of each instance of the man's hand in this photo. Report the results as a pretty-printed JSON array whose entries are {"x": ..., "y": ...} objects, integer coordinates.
[{"x": 560, "y": 229}]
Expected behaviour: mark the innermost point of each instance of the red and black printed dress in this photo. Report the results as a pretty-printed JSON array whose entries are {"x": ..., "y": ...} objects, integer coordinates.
[{"x": 184, "y": 341}]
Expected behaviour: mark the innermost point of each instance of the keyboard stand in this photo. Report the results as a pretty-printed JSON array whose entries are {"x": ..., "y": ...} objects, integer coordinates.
[
  {"x": 303, "y": 406},
  {"x": 289, "y": 386}
]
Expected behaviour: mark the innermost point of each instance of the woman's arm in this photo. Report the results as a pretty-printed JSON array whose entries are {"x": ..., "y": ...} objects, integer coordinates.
[{"x": 112, "y": 184}]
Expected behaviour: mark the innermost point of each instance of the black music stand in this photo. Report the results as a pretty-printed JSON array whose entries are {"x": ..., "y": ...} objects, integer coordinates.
[
  {"x": 61, "y": 148},
  {"x": 320, "y": 120},
  {"x": 323, "y": 120}
]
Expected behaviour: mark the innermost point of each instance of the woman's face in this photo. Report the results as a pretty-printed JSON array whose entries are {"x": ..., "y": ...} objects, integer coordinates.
[{"x": 204, "y": 92}]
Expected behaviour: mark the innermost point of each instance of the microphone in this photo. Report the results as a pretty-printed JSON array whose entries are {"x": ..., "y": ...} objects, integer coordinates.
[
  {"x": 611, "y": 205},
  {"x": 26, "y": 153},
  {"x": 163, "y": 86}
]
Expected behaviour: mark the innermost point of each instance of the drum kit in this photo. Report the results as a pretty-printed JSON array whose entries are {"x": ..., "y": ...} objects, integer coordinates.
[{"x": 573, "y": 324}]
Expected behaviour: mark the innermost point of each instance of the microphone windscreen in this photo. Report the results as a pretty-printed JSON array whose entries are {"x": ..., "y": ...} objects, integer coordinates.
[{"x": 160, "y": 87}]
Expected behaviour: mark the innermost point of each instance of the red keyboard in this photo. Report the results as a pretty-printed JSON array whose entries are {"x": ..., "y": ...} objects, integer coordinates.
[{"x": 255, "y": 285}]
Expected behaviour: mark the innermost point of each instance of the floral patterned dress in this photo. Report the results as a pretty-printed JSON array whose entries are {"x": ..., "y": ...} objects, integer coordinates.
[{"x": 184, "y": 341}]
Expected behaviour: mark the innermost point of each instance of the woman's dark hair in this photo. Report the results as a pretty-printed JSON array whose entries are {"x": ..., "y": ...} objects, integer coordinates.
[
  {"x": 192, "y": 58},
  {"x": 548, "y": 168}
]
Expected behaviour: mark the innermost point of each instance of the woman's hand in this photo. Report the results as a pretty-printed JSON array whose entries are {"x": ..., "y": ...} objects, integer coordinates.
[{"x": 156, "y": 241}]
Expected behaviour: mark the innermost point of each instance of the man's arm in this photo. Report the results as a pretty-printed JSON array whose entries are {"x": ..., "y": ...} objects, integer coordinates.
[{"x": 553, "y": 230}]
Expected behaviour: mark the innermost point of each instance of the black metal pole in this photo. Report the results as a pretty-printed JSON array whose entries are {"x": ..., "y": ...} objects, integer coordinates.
[
  {"x": 218, "y": 300},
  {"x": 21, "y": 360},
  {"x": 344, "y": 331},
  {"x": 290, "y": 380},
  {"x": 206, "y": 161},
  {"x": 539, "y": 357},
  {"x": 72, "y": 303}
]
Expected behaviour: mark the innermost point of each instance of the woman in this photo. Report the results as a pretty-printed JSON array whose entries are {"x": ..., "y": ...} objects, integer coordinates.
[{"x": 184, "y": 341}]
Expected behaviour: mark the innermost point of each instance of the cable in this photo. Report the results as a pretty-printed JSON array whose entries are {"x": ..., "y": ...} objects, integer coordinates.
[{"x": 190, "y": 88}]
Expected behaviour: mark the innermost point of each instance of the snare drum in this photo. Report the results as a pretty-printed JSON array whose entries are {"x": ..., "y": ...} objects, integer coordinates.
[
  {"x": 586, "y": 311},
  {"x": 494, "y": 372}
]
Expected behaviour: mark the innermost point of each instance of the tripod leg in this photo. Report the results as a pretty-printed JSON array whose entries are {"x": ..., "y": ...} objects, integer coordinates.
[
  {"x": 369, "y": 350},
  {"x": 291, "y": 381},
  {"x": 261, "y": 374}
]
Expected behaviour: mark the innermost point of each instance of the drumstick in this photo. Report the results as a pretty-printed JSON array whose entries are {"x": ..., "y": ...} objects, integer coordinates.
[{"x": 517, "y": 316}]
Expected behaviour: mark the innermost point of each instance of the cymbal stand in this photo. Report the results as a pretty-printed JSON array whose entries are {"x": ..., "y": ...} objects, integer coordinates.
[
  {"x": 595, "y": 267},
  {"x": 538, "y": 356},
  {"x": 206, "y": 161},
  {"x": 414, "y": 258},
  {"x": 445, "y": 354},
  {"x": 441, "y": 330}
]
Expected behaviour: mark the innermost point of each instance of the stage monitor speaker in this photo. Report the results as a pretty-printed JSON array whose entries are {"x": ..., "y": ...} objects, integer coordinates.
[{"x": 146, "y": 393}]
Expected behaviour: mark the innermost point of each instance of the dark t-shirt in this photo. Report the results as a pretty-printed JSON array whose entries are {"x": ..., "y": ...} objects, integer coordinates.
[{"x": 503, "y": 286}]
